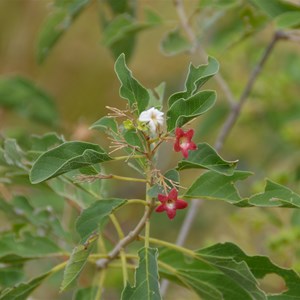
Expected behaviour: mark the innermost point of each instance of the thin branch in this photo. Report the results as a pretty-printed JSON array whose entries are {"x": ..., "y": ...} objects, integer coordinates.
[
  {"x": 102, "y": 263},
  {"x": 236, "y": 109}
]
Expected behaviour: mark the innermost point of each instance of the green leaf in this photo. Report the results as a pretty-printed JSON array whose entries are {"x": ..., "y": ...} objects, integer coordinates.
[
  {"x": 88, "y": 293},
  {"x": 27, "y": 246},
  {"x": 184, "y": 110},
  {"x": 206, "y": 157},
  {"x": 131, "y": 89},
  {"x": 174, "y": 43},
  {"x": 91, "y": 219},
  {"x": 14, "y": 155},
  {"x": 119, "y": 31},
  {"x": 64, "y": 158},
  {"x": 289, "y": 20},
  {"x": 212, "y": 277},
  {"x": 260, "y": 266},
  {"x": 106, "y": 124},
  {"x": 76, "y": 263},
  {"x": 196, "y": 78},
  {"x": 157, "y": 97},
  {"x": 146, "y": 278},
  {"x": 276, "y": 195},
  {"x": 275, "y": 8},
  {"x": 58, "y": 22},
  {"x": 10, "y": 276},
  {"x": 25, "y": 98},
  {"x": 23, "y": 290},
  {"x": 216, "y": 186}
]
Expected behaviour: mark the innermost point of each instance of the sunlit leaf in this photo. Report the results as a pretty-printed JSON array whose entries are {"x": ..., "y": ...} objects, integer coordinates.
[
  {"x": 146, "y": 278},
  {"x": 91, "y": 218},
  {"x": 216, "y": 186},
  {"x": 58, "y": 22},
  {"x": 196, "y": 78},
  {"x": 64, "y": 158},
  {"x": 184, "y": 110},
  {"x": 28, "y": 100},
  {"x": 205, "y": 157},
  {"x": 131, "y": 89}
]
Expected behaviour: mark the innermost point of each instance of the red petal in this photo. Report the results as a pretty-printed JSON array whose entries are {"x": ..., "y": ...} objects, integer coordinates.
[
  {"x": 189, "y": 134},
  {"x": 180, "y": 204},
  {"x": 162, "y": 198},
  {"x": 177, "y": 146},
  {"x": 171, "y": 213},
  {"x": 160, "y": 208},
  {"x": 173, "y": 194},
  {"x": 185, "y": 152},
  {"x": 179, "y": 132},
  {"x": 192, "y": 146}
]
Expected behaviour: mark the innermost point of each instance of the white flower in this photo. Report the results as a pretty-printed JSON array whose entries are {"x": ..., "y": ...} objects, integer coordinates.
[{"x": 153, "y": 117}]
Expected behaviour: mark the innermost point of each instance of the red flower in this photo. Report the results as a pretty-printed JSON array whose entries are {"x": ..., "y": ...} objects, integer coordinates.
[
  {"x": 170, "y": 203},
  {"x": 183, "y": 141}
]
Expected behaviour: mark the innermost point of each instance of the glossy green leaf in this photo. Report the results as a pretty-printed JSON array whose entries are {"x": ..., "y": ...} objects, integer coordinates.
[
  {"x": 174, "y": 43},
  {"x": 276, "y": 195},
  {"x": 91, "y": 218},
  {"x": 184, "y": 110},
  {"x": 106, "y": 124},
  {"x": 196, "y": 78},
  {"x": 76, "y": 262},
  {"x": 65, "y": 158},
  {"x": 206, "y": 157},
  {"x": 23, "y": 290},
  {"x": 146, "y": 278},
  {"x": 260, "y": 266},
  {"x": 289, "y": 20},
  {"x": 212, "y": 277},
  {"x": 28, "y": 100},
  {"x": 275, "y": 8},
  {"x": 131, "y": 89},
  {"x": 215, "y": 186},
  {"x": 58, "y": 22},
  {"x": 27, "y": 246}
]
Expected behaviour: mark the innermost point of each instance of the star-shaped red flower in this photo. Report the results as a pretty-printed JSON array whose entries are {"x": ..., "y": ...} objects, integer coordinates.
[
  {"x": 170, "y": 203},
  {"x": 184, "y": 141}
]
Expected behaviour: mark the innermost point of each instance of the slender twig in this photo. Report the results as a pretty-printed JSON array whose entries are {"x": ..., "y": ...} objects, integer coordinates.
[
  {"x": 102, "y": 263},
  {"x": 236, "y": 109}
]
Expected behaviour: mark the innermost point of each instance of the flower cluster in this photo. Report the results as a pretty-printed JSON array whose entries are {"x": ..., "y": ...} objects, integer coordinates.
[{"x": 154, "y": 120}]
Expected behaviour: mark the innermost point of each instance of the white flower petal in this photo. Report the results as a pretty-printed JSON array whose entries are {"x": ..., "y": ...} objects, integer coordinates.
[{"x": 154, "y": 117}]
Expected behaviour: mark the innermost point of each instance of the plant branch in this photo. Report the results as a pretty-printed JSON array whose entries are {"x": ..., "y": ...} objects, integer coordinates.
[{"x": 102, "y": 263}]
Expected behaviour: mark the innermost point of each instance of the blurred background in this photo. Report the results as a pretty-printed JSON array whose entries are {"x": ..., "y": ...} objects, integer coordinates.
[{"x": 77, "y": 76}]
